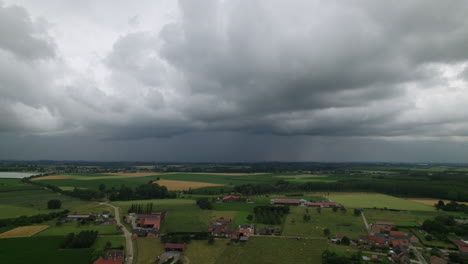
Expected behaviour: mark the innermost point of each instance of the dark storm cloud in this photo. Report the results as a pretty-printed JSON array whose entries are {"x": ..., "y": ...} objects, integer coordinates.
[{"x": 320, "y": 68}]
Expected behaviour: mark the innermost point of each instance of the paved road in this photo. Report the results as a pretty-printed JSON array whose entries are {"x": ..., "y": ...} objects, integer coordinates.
[
  {"x": 127, "y": 234},
  {"x": 418, "y": 255}
]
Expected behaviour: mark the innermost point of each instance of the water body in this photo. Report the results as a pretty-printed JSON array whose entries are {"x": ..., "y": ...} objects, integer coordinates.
[{"x": 15, "y": 175}]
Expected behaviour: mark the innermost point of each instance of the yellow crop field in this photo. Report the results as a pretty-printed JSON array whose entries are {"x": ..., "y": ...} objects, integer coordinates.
[
  {"x": 24, "y": 231},
  {"x": 184, "y": 185}
]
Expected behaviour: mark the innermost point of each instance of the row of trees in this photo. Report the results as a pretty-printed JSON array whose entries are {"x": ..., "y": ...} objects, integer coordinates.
[
  {"x": 142, "y": 192},
  {"x": 271, "y": 215},
  {"x": 452, "y": 207},
  {"x": 390, "y": 186},
  {"x": 141, "y": 208},
  {"x": 29, "y": 220},
  {"x": 83, "y": 240}
]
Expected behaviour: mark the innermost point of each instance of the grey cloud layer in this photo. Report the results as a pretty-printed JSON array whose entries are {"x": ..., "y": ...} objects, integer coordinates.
[{"x": 353, "y": 68}]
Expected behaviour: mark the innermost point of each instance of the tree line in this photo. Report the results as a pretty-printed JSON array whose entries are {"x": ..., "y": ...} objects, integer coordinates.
[
  {"x": 141, "y": 208},
  {"x": 29, "y": 220},
  {"x": 451, "y": 207}
]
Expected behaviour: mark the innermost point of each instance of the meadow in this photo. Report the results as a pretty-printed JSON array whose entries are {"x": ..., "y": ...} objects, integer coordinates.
[
  {"x": 43, "y": 250},
  {"x": 378, "y": 201},
  {"x": 337, "y": 222},
  {"x": 146, "y": 250},
  {"x": 267, "y": 250},
  {"x": 73, "y": 227}
]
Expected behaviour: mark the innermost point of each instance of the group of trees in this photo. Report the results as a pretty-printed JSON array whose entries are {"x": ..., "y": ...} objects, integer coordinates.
[
  {"x": 271, "y": 215},
  {"x": 141, "y": 208},
  {"x": 35, "y": 219},
  {"x": 204, "y": 203},
  {"x": 142, "y": 192},
  {"x": 54, "y": 204},
  {"x": 452, "y": 207},
  {"x": 331, "y": 257},
  {"x": 83, "y": 240},
  {"x": 184, "y": 237},
  {"x": 442, "y": 226},
  {"x": 387, "y": 186}
]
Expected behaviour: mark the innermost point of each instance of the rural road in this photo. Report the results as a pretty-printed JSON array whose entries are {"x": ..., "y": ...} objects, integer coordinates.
[
  {"x": 418, "y": 255},
  {"x": 127, "y": 234},
  {"x": 365, "y": 223}
]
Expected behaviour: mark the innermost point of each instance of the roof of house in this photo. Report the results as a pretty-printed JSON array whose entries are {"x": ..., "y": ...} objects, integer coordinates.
[
  {"x": 245, "y": 230},
  {"x": 395, "y": 242},
  {"x": 115, "y": 254},
  {"x": 230, "y": 197},
  {"x": 464, "y": 249},
  {"x": 175, "y": 246},
  {"x": 101, "y": 260},
  {"x": 460, "y": 243},
  {"x": 280, "y": 200},
  {"x": 146, "y": 221},
  {"x": 397, "y": 233},
  {"x": 437, "y": 260},
  {"x": 80, "y": 216}
]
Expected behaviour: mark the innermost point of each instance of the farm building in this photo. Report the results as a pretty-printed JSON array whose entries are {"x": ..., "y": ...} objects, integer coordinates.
[
  {"x": 175, "y": 247},
  {"x": 325, "y": 204},
  {"x": 219, "y": 227},
  {"x": 113, "y": 257},
  {"x": 79, "y": 217},
  {"x": 231, "y": 198},
  {"x": 102, "y": 260},
  {"x": 149, "y": 223},
  {"x": 288, "y": 201}
]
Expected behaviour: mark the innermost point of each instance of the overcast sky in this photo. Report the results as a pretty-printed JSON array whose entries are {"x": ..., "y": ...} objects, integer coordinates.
[{"x": 246, "y": 80}]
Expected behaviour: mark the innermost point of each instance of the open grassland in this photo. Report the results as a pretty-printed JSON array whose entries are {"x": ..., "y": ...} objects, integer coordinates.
[
  {"x": 23, "y": 231},
  {"x": 30, "y": 202},
  {"x": 116, "y": 241},
  {"x": 199, "y": 252},
  {"x": 267, "y": 250},
  {"x": 146, "y": 250},
  {"x": 43, "y": 250},
  {"x": 402, "y": 218},
  {"x": 172, "y": 185},
  {"x": 429, "y": 201},
  {"x": 337, "y": 222},
  {"x": 378, "y": 201},
  {"x": 73, "y": 227},
  {"x": 7, "y": 185}
]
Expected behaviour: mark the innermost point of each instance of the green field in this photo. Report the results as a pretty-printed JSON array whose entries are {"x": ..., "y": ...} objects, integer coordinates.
[
  {"x": 146, "y": 250},
  {"x": 378, "y": 201},
  {"x": 337, "y": 222},
  {"x": 42, "y": 250},
  {"x": 199, "y": 252},
  {"x": 72, "y": 227},
  {"x": 267, "y": 250}
]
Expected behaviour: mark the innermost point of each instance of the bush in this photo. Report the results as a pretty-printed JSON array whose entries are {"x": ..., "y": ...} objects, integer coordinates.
[{"x": 54, "y": 204}]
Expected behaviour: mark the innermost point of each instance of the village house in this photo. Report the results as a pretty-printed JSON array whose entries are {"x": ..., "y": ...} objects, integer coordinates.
[
  {"x": 219, "y": 227},
  {"x": 270, "y": 230},
  {"x": 288, "y": 201},
  {"x": 400, "y": 254},
  {"x": 151, "y": 221},
  {"x": 175, "y": 247},
  {"x": 382, "y": 227},
  {"x": 113, "y": 257},
  {"x": 231, "y": 199},
  {"x": 375, "y": 240},
  {"x": 323, "y": 204}
]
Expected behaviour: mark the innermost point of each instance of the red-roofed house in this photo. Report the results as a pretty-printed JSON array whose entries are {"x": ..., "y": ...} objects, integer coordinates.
[
  {"x": 285, "y": 201},
  {"x": 149, "y": 223},
  {"x": 437, "y": 260},
  {"x": 397, "y": 233},
  {"x": 101, "y": 260},
  {"x": 175, "y": 247},
  {"x": 323, "y": 204},
  {"x": 231, "y": 198},
  {"x": 463, "y": 252}
]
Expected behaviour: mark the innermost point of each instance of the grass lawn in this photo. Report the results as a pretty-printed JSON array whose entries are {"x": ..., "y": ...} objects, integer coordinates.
[
  {"x": 267, "y": 250},
  {"x": 378, "y": 201},
  {"x": 338, "y": 223},
  {"x": 72, "y": 227},
  {"x": 116, "y": 241},
  {"x": 146, "y": 250},
  {"x": 43, "y": 250},
  {"x": 401, "y": 218},
  {"x": 199, "y": 252}
]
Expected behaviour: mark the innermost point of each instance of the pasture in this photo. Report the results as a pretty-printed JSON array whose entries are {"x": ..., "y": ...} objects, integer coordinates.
[
  {"x": 378, "y": 201},
  {"x": 266, "y": 250},
  {"x": 402, "y": 218},
  {"x": 73, "y": 227},
  {"x": 23, "y": 231},
  {"x": 146, "y": 250},
  {"x": 41, "y": 250},
  {"x": 173, "y": 185},
  {"x": 337, "y": 222},
  {"x": 199, "y": 252}
]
